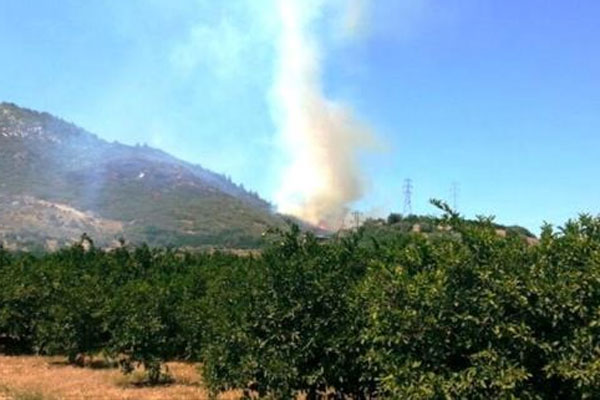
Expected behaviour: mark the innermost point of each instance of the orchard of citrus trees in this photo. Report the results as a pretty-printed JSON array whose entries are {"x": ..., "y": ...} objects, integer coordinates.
[{"x": 465, "y": 314}]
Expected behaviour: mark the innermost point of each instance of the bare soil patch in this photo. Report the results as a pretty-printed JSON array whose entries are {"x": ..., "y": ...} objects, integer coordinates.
[{"x": 50, "y": 378}]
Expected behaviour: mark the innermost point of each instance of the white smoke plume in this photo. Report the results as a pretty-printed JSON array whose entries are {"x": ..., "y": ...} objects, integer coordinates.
[{"x": 321, "y": 136}]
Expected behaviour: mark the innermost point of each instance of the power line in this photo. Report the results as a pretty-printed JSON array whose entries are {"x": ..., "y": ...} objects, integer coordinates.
[{"x": 408, "y": 191}]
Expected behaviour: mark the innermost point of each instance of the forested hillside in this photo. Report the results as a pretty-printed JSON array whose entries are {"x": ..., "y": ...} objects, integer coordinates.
[
  {"x": 72, "y": 182},
  {"x": 470, "y": 315}
]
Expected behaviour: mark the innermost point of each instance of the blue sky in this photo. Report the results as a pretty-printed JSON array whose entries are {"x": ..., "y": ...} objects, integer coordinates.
[{"x": 500, "y": 96}]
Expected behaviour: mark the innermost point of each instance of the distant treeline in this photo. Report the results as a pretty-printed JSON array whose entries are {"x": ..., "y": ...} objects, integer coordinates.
[{"x": 467, "y": 315}]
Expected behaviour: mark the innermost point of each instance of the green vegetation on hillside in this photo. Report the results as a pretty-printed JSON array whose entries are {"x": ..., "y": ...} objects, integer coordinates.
[
  {"x": 160, "y": 200},
  {"x": 429, "y": 225},
  {"x": 473, "y": 314}
]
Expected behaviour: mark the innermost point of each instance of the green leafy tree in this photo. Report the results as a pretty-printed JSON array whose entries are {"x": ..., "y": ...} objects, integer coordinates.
[{"x": 285, "y": 325}]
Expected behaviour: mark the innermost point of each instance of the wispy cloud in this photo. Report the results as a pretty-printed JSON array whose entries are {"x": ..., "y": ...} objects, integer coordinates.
[
  {"x": 228, "y": 40},
  {"x": 353, "y": 19},
  {"x": 221, "y": 49}
]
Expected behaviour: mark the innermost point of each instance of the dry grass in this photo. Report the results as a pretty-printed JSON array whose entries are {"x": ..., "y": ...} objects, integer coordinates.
[
  {"x": 50, "y": 378},
  {"x": 9, "y": 394}
]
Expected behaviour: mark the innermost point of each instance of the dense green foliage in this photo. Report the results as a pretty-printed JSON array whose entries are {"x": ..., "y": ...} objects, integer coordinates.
[{"x": 467, "y": 314}]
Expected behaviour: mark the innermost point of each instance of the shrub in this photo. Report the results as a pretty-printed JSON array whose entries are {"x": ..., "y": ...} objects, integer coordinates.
[
  {"x": 75, "y": 310},
  {"x": 482, "y": 316},
  {"x": 284, "y": 324}
]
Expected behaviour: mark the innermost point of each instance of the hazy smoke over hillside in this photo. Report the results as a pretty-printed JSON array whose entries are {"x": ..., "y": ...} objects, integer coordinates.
[{"x": 321, "y": 136}]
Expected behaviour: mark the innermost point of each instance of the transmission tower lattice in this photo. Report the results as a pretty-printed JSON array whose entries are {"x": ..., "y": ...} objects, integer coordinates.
[
  {"x": 455, "y": 191},
  {"x": 343, "y": 221},
  {"x": 408, "y": 190},
  {"x": 356, "y": 215}
]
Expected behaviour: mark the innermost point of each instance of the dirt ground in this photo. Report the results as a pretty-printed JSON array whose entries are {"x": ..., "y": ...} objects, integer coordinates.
[{"x": 50, "y": 378}]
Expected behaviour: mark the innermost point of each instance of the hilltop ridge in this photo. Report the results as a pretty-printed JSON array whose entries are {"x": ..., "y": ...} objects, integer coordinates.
[{"x": 48, "y": 163}]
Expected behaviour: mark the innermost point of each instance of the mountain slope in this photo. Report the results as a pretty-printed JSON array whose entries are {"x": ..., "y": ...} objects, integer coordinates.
[{"x": 49, "y": 164}]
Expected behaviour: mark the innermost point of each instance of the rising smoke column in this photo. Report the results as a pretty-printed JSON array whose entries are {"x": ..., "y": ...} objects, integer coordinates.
[{"x": 320, "y": 135}]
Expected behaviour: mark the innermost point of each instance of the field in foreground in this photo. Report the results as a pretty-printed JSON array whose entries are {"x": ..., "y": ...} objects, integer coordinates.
[
  {"x": 466, "y": 313},
  {"x": 51, "y": 378}
]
